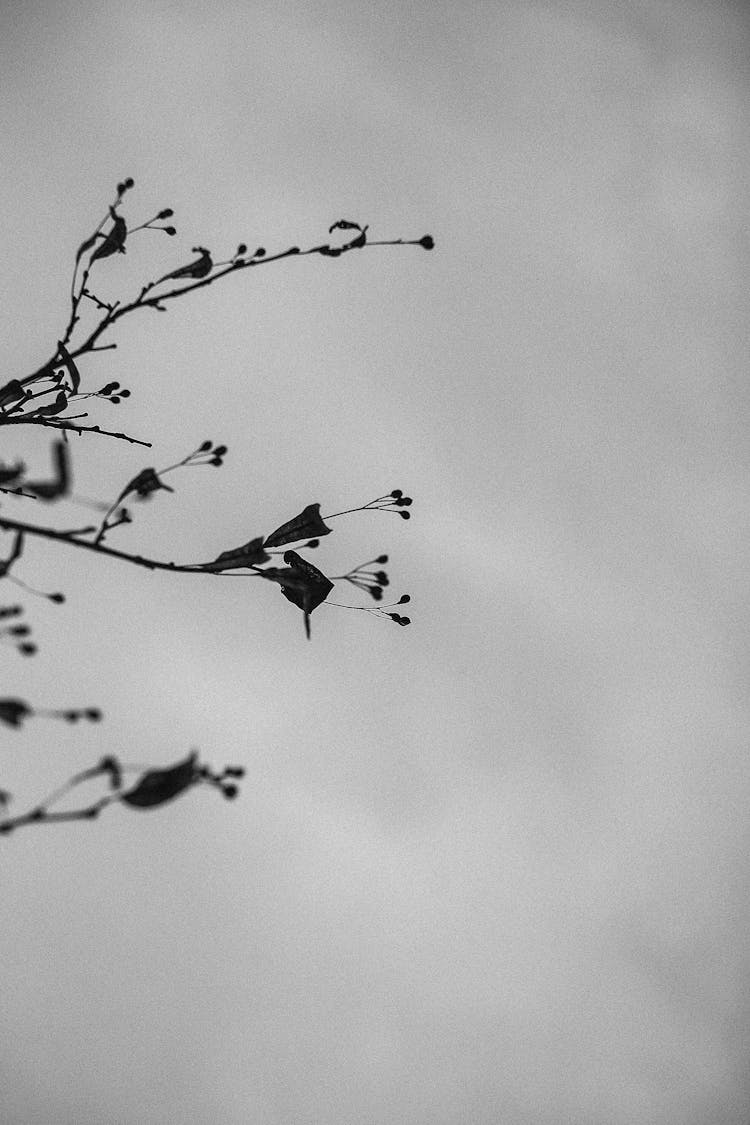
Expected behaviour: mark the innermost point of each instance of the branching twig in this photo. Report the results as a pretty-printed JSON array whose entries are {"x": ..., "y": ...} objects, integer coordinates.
[
  {"x": 155, "y": 787},
  {"x": 63, "y": 424}
]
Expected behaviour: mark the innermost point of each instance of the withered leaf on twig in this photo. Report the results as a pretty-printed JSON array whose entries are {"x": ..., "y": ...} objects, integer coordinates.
[
  {"x": 307, "y": 525},
  {"x": 250, "y": 554},
  {"x": 114, "y": 242},
  {"x": 157, "y": 786}
]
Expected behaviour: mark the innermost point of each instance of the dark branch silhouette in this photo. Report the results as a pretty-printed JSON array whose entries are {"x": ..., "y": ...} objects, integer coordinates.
[{"x": 45, "y": 398}]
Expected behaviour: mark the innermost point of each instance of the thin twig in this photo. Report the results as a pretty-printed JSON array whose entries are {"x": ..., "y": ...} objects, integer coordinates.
[{"x": 61, "y": 424}]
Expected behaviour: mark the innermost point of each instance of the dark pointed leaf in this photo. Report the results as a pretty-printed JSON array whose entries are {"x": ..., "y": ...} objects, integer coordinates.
[
  {"x": 12, "y": 711},
  {"x": 311, "y": 588},
  {"x": 61, "y": 401},
  {"x": 114, "y": 241},
  {"x": 199, "y": 268},
  {"x": 146, "y": 482},
  {"x": 157, "y": 786},
  {"x": 307, "y": 525},
  {"x": 11, "y": 392},
  {"x": 250, "y": 554},
  {"x": 69, "y": 364}
]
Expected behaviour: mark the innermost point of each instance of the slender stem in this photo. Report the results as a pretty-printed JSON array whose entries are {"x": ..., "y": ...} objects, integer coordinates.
[
  {"x": 40, "y": 815},
  {"x": 63, "y": 425},
  {"x": 156, "y": 301},
  {"x": 99, "y": 548}
]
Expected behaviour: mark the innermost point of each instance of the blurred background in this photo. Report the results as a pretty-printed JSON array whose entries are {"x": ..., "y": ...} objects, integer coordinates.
[{"x": 492, "y": 867}]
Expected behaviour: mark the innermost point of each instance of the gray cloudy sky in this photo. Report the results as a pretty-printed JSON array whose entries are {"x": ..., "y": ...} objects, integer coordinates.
[{"x": 491, "y": 868}]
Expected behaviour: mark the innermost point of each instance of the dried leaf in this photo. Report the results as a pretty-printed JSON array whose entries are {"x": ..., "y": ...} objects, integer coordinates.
[
  {"x": 146, "y": 482},
  {"x": 344, "y": 224},
  {"x": 201, "y": 267},
  {"x": 251, "y": 554},
  {"x": 12, "y": 711},
  {"x": 307, "y": 525},
  {"x": 61, "y": 401},
  {"x": 115, "y": 241},
  {"x": 157, "y": 786},
  {"x": 11, "y": 392},
  {"x": 306, "y": 586}
]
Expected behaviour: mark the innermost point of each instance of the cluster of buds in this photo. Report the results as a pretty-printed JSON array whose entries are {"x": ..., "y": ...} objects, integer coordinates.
[
  {"x": 364, "y": 578},
  {"x": 112, "y": 392},
  {"x": 394, "y": 501}
]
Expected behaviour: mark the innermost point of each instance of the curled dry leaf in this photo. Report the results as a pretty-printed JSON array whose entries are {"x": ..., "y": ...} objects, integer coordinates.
[
  {"x": 302, "y": 584},
  {"x": 344, "y": 224},
  {"x": 307, "y": 525},
  {"x": 146, "y": 482},
  {"x": 157, "y": 786},
  {"x": 59, "y": 404},
  {"x": 250, "y": 554},
  {"x": 11, "y": 392},
  {"x": 114, "y": 242}
]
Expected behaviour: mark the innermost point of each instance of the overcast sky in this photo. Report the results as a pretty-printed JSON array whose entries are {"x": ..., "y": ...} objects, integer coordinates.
[{"x": 493, "y": 867}]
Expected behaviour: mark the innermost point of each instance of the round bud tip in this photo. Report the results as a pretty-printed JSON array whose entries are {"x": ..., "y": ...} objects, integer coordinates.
[
  {"x": 58, "y": 599},
  {"x": 428, "y": 242},
  {"x": 404, "y": 599},
  {"x": 405, "y": 515},
  {"x": 167, "y": 213},
  {"x": 230, "y": 791},
  {"x": 381, "y": 559},
  {"x": 94, "y": 714},
  {"x": 405, "y": 621},
  {"x": 242, "y": 248},
  {"x": 130, "y": 182},
  {"x": 397, "y": 494},
  {"x": 170, "y": 230},
  {"x": 204, "y": 446}
]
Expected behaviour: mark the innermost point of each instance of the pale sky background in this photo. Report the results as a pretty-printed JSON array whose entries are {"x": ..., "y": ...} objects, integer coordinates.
[{"x": 491, "y": 868}]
